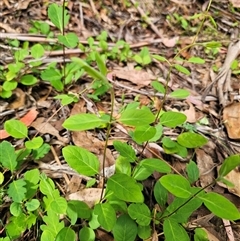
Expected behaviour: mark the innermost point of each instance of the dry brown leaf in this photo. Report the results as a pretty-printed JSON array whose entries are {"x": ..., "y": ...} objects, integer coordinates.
[
  {"x": 20, "y": 100},
  {"x": 89, "y": 195},
  {"x": 233, "y": 177},
  {"x": 231, "y": 118},
  {"x": 74, "y": 184},
  {"x": 138, "y": 77},
  {"x": 191, "y": 114},
  {"x": 23, "y": 4},
  {"x": 235, "y": 3},
  {"x": 155, "y": 236},
  {"x": 45, "y": 127},
  {"x": 170, "y": 42},
  {"x": 205, "y": 165},
  {"x": 103, "y": 235}
]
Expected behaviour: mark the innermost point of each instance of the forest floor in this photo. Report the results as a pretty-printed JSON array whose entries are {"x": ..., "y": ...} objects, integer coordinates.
[{"x": 171, "y": 26}]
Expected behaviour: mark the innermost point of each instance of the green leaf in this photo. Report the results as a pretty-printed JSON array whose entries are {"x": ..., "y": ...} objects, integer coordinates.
[
  {"x": 46, "y": 186},
  {"x": 159, "y": 58},
  {"x": 160, "y": 194},
  {"x": 191, "y": 140},
  {"x": 143, "y": 133},
  {"x": 66, "y": 234},
  {"x": 35, "y": 143},
  {"x": 125, "y": 188},
  {"x": 53, "y": 225},
  {"x": 37, "y": 51},
  {"x": 83, "y": 121},
  {"x": 172, "y": 119},
  {"x": 125, "y": 150},
  {"x": 8, "y": 156},
  {"x": 177, "y": 185},
  {"x": 192, "y": 171},
  {"x": 80, "y": 208},
  {"x": 66, "y": 99},
  {"x": 81, "y": 160},
  {"x": 144, "y": 232},
  {"x": 140, "y": 212},
  {"x": 16, "y": 209},
  {"x": 187, "y": 207},
  {"x": 159, "y": 131},
  {"x": 32, "y": 205},
  {"x": 16, "y": 227},
  {"x": 154, "y": 164},
  {"x": 32, "y": 178},
  {"x": 10, "y": 85},
  {"x": 47, "y": 236},
  {"x": 196, "y": 60},
  {"x": 51, "y": 74},
  {"x": 125, "y": 229},
  {"x": 228, "y": 165},
  {"x": 123, "y": 165},
  {"x": 16, "y": 190},
  {"x": 59, "y": 205},
  {"x": 41, "y": 151},
  {"x": 137, "y": 117},
  {"x": 141, "y": 173},
  {"x": 28, "y": 79},
  {"x": 1, "y": 178},
  {"x": 182, "y": 69},
  {"x": 174, "y": 231},
  {"x": 106, "y": 215},
  {"x": 70, "y": 40},
  {"x": 220, "y": 206},
  {"x": 55, "y": 13},
  {"x": 16, "y": 129},
  {"x": 101, "y": 64},
  {"x": 90, "y": 70},
  {"x": 86, "y": 234},
  {"x": 200, "y": 235},
  {"x": 180, "y": 94}
]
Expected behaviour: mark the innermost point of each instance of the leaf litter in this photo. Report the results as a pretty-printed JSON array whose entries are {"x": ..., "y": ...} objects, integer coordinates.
[{"x": 161, "y": 36}]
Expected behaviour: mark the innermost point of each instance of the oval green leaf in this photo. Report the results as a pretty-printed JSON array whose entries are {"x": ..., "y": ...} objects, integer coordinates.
[
  {"x": 125, "y": 225},
  {"x": 177, "y": 185},
  {"x": 172, "y": 119},
  {"x": 82, "y": 122},
  {"x": 86, "y": 234},
  {"x": 229, "y": 164},
  {"x": 174, "y": 231},
  {"x": 81, "y": 160},
  {"x": 125, "y": 188},
  {"x": 66, "y": 234},
  {"x": 106, "y": 215},
  {"x": 137, "y": 117},
  {"x": 140, "y": 212},
  {"x": 220, "y": 206},
  {"x": 16, "y": 129},
  {"x": 191, "y": 140},
  {"x": 180, "y": 94}
]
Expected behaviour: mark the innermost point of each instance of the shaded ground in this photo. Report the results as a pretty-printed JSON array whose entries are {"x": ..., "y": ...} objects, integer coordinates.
[{"x": 169, "y": 30}]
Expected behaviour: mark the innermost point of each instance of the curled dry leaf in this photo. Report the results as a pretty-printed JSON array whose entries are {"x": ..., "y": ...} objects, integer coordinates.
[
  {"x": 138, "y": 77},
  {"x": 45, "y": 127},
  {"x": 89, "y": 195},
  {"x": 235, "y": 3},
  {"x": 205, "y": 165},
  {"x": 234, "y": 178},
  {"x": 231, "y": 118}
]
